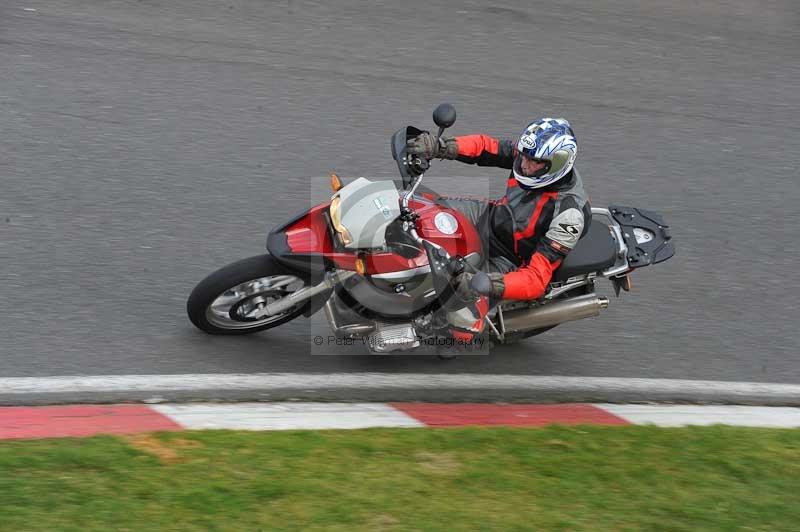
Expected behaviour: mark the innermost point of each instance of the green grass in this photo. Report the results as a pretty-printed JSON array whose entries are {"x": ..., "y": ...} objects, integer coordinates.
[{"x": 558, "y": 478}]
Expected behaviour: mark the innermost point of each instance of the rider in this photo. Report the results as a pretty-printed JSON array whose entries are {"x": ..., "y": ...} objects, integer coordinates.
[{"x": 529, "y": 231}]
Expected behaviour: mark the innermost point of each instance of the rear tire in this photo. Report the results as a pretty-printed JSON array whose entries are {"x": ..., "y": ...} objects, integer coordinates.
[{"x": 220, "y": 303}]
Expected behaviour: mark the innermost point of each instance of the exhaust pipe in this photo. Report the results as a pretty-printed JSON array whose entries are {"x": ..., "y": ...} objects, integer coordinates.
[{"x": 574, "y": 308}]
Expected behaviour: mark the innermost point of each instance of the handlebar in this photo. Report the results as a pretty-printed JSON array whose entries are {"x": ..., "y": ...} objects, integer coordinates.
[{"x": 410, "y": 193}]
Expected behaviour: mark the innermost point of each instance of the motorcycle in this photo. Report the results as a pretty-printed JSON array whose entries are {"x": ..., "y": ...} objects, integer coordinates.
[{"x": 379, "y": 260}]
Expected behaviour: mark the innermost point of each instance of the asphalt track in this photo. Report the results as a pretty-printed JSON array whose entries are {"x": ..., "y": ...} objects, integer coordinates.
[{"x": 144, "y": 144}]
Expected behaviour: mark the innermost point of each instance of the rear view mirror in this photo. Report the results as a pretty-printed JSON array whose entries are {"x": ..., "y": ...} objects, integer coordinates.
[{"x": 444, "y": 115}]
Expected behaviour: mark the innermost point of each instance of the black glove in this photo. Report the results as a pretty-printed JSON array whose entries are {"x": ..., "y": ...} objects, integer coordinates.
[
  {"x": 467, "y": 290},
  {"x": 488, "y": 284},
  {"x": 463, "y": 287},
  {"x": 428, "y": 146}
]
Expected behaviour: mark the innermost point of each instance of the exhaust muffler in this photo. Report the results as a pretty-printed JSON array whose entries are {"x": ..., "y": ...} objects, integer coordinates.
[{"x": 574, "y": 308}]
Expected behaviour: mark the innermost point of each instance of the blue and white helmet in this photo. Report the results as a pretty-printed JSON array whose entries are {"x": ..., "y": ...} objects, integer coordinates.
[{"x": 550, "y": 141}]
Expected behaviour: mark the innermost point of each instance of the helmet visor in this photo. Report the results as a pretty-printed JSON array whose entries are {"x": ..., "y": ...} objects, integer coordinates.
[{"x": 528, "y": 166}]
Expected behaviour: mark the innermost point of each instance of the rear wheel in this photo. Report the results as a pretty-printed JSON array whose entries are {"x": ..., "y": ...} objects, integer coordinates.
[{"x": 226, "y": 301}]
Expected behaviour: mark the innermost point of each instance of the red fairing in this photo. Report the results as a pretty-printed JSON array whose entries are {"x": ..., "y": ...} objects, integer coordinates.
[{"x": 310, "y": 235}]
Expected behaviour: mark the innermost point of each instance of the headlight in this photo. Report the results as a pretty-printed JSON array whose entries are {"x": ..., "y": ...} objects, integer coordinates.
[{"x": 336, "y": 218}]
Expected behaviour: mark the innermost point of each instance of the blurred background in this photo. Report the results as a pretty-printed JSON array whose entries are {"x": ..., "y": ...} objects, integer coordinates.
[{"x": 144, "y": 144}]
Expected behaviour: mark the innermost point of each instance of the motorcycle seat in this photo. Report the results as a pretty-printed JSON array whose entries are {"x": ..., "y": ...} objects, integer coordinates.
[{"x": 594, "y": 252}]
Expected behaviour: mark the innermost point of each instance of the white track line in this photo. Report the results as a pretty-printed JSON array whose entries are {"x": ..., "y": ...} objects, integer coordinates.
[
  {"x": 286, "y": 416},
  {"x": 318, "y": 416},
  {"x": 385, "y": 381},
  {"x": 680, "y": 415}
]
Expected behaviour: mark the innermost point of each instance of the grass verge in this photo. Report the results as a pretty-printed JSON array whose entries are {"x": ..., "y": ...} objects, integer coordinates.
[{"x": 556, "y": 478}]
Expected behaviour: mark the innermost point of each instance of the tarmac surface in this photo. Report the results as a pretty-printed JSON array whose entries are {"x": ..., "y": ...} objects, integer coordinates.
[{"x": 145, "y": 144}]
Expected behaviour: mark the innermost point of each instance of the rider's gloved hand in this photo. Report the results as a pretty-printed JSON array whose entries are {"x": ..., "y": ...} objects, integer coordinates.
[
  {"x": 498, "y": 286},
  {"x": 487, "y": 284},
  {"x": 428, "y": 146},
  {"x": 464, "y": 289}
]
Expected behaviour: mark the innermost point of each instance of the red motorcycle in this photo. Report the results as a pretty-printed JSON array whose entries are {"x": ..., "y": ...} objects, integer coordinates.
[{"x": 380, "y": 262}]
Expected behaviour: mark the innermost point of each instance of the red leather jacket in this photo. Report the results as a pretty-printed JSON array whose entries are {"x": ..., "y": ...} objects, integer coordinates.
[{"x": 536, "y": 228}]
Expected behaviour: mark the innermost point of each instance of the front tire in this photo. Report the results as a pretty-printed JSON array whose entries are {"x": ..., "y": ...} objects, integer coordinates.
[{"x": 223, "y": 302}]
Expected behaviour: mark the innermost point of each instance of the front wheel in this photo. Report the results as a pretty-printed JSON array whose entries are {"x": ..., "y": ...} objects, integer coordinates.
[{"x": 225, "y": 301}]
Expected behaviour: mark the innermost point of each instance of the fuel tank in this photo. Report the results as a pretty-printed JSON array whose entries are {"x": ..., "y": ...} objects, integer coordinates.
[{"x": 448, "y": 228}]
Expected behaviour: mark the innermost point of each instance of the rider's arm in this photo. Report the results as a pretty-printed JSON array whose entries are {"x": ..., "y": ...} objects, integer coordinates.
[
  {"x": 484, "y": 150},
  {"x": 530, "y": 281}
]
